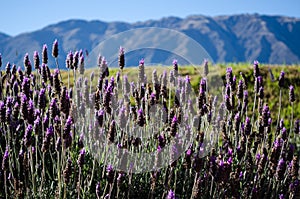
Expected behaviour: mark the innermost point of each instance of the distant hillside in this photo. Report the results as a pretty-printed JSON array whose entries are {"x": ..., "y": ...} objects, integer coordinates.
[{"x": 237, "y": 38}]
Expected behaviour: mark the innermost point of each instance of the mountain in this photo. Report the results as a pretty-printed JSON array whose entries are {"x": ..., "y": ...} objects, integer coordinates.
[{"x": 236, "y": 38}]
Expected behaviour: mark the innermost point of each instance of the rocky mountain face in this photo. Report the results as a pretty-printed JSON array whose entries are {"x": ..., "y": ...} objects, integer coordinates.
[{"x": 236, "y": 38}]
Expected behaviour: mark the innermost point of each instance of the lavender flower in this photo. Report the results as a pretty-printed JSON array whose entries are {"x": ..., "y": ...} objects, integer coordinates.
[
  {"x": 45, "y": 55},
  {"x": 57, "y": 85},
  {"x": 28, "y": 136},
  {"x": 69, "y": 60},
  {"x": 55, "y": 48},
  {"x": 291, "y": 94},
  {"x": 81, "y": 65},
  {"x": 5, "y": 160},
  {"x": 68, "y": 171},
  {"x": 281, "y": 79},
  {"x": 174, "y": 126},
  {"x": 110, "y": 174},
  {"x": 141, "y": 73},
  {"x": 228, "y": 103},
  {"x": 26, "y": 86},
  {"x": 53, "y": 108},
  {"x": 121, "y": 58},
  {"x": 271, "y": 75},
  {"x": 229, "y": 76},
  {"x": 44, "y": 73},
  {"x": 75, "y": 60},
  {"x": 175, "y": 67},
  {"x": 112, "y": 131},
  {"x": 248, "y": 126},
  {"x": 36, "y": 60},
  {"x": 14, "y": 69},
  {"x": 80, "y": 160},
  {"x": 99, "y": 60},
  {"x": 122, "y": 118},
  {"x": 47, "y": 139},
  {"x": 240, "y": 90},
  {"x": 98, "y": 189},
  {"x": 100, "y": 117},
  {"x": 256, "y": 68},
  {"x": 141, "y": 119},
  {"x": 205, "y": 67},
  {"x": 104, "y": 72},
  {"x": 67, "y": 136},
  {"x": 261, "y": 92},
  {"x": 30, "y": 112},
  {"x": 27, "y": 65},
  {"x": 265, "y": 115},
  {"x": 42, "y": 99},
  {"x": 280, "y": 169},
  {"x": 65, "y": 101},
  {"x": 284, "y": 133},
  {"x": 171, "y": 195}
]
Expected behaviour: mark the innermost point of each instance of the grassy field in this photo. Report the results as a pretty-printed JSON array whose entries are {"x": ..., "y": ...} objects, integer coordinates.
[{"x": 271, "y": 89}]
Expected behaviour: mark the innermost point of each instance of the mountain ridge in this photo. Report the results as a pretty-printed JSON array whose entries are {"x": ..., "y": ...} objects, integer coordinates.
[{"x": 227, "y": 38}]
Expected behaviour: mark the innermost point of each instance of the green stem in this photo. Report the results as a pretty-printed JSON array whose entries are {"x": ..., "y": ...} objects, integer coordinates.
[{"x": 278, "y": 118}]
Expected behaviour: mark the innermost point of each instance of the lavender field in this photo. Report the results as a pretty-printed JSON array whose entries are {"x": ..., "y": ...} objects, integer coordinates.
[{"x": 73, "y": 132}]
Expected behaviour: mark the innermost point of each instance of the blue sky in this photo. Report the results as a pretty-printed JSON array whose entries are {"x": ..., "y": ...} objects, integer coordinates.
[{"x": 23, "y": 16}]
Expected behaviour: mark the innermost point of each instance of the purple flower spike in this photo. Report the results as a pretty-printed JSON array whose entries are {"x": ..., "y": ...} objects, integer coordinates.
[
  {"x": 205, "y": 68},
  {"x": 80, "y": 160},
  {"x": 257, "y": 157},
  {"x": 174, "y": 119},
  {"x": 36, "y": 60},
  {"x": 281, "y": 79},
  {"x": 45, "y": 55},
  {"x": 121, "y": 50},
  {"x": 55, "y": 49},
  {"x": 229, "y": 75},
  {"x": 142, "y": 61},
  {"x": 175, "y": 62},
  {"x": 291, "y": 94},
  {"x": 241, "y": 175},
  {"x": 110, "y": 174},
  {"x": 256, "y": 68},
  {"x": 140, "y": 119},
  {"x": 189, "y": 152},
  {"x": 5, "y": 162},
  {"x": 171, "y": 195}
]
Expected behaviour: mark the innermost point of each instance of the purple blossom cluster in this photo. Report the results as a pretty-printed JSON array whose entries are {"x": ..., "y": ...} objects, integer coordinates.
[{"x": 58, "y": 137}]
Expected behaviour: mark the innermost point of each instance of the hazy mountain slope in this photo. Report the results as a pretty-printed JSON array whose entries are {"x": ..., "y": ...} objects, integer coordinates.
[{"x": 237, "y": 38}]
